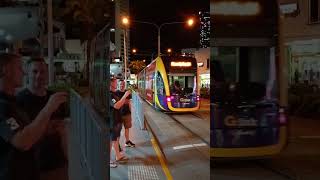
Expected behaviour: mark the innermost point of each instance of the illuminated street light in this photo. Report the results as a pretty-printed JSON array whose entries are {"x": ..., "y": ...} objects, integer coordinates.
[
  {"x": 190, "y": 22},
  {"x": 169, "y": 50},
  {"x": 125, "y": 21},
  {"x": 134, "y": 50}
]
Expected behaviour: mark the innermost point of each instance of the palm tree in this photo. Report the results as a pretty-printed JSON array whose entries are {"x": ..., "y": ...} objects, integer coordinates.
[
  {"x": 91, "y": 15},
  {"x": 136, "y": 66}
]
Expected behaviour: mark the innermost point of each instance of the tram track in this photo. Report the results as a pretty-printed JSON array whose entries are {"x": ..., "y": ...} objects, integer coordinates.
[
  {"x": 174, "y": 117},
  {"x": 283, "y": 172}
]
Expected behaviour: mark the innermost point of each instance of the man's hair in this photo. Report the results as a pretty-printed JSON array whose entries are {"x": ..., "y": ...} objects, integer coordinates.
[{"x": 6, "y": 58}]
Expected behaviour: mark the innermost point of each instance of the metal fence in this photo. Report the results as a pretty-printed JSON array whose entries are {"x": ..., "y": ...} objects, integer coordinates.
[
  {"x": 137, "y": 109},
  {"x": 88, "y": 145}
]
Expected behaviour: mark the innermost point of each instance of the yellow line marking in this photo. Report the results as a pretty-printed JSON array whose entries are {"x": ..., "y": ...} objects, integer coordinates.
[{"x": 161, "y": 159}]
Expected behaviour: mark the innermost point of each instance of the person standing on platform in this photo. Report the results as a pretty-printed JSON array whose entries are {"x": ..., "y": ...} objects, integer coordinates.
[
  {"x": 116, "y": 103},
  {"x": 126, "y": 114}
]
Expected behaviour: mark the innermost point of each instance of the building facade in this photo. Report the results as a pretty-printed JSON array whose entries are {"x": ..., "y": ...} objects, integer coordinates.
[
  {"x": 121, "y": 10},
  {"x": 204, "y": 29},
  {"x": 302, "y": 40},
  {"x": 202, "y": 56},
  {"x": 120, "y": 39}
]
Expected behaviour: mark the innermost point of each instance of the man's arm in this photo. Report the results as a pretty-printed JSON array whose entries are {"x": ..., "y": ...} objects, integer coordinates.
[
  {"x": 29, "y": 135},
  {"x": 122, "y": 101}
]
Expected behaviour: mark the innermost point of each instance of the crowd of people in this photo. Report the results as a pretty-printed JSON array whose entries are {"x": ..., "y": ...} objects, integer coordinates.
[
  {"x": 33, "y": 135},
  {"x": 32, "y": 127}
]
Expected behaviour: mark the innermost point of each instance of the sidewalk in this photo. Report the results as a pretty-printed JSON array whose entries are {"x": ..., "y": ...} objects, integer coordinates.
[
  {"x": 143, "y": 163},
  {"x": 302, "y": 156}
]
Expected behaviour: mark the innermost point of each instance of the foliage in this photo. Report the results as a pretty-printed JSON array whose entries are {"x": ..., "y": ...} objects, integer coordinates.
[
  {"x": 136, "y": 66},
  {"x": 92, "y": 15}
]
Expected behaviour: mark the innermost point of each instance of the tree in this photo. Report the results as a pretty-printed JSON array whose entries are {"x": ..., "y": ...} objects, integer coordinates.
[
  {"x": 136, "y": 66},
  {"x": 92, "y": 15}
]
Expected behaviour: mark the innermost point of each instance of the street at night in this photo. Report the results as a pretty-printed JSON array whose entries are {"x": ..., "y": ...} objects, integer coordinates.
[
  {"x": 299, "y": 160},
  {"x": 159, "y": 89}
]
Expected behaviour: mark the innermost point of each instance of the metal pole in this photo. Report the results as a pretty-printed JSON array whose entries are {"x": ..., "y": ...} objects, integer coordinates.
[
  {"x": 282, "y": 63},
  {"x": 125, "y": 57},
  {"x": 50, "y": 43},
  {"x": 159, "y": 41}
]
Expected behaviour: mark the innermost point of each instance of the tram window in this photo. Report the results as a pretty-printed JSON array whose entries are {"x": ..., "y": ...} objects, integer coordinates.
[
  {"x": 160, "y": 85},
  {"x": 186, "y": 83}
]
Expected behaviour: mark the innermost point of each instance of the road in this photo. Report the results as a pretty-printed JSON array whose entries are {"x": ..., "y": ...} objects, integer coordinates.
[{"x": 300, "y": 160}]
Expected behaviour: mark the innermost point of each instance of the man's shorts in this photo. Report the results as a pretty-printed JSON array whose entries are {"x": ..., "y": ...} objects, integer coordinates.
[
  {"x": 127, "y": 121},
  {"x": 115, "y": 131}
]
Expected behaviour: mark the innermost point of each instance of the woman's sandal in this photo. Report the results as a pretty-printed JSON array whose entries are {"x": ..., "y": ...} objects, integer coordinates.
[{"x": 122, "y": 158}]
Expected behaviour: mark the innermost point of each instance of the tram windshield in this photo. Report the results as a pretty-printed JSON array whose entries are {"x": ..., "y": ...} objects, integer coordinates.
[
  {"x": 184, "y": 84},
  {"x": 247, "y": 76}
]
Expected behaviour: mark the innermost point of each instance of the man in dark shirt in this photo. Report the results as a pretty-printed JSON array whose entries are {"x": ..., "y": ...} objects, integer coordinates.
[
  {"x": 18, "y": 134},
  {"x": 116, "y": 104},
  {"x": 52, "y": 147},
  {"x": 126, "y": 114}
]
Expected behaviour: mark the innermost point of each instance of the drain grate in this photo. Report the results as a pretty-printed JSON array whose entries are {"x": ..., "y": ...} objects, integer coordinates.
[{"x": 142, "y": 172}]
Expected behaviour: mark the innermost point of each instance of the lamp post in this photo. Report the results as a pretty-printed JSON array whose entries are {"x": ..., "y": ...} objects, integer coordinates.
[
  {"x": 50, "y": 43},
  {"x": 190, "y": 22},
  {"x": 125, "y": 22}
]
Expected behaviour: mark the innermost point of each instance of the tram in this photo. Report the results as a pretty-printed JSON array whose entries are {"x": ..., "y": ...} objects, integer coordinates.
[
  {"x": 170, "y": 83},
  {"x": 248, "y": 110}
]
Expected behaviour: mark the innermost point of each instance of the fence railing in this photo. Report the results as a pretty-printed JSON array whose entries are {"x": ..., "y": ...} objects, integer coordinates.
[
  {"x": 88, "y": 142},
  {"x": 137, "y": 109}
]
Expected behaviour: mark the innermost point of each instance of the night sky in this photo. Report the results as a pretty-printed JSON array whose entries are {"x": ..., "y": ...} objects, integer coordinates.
[{"x": 176, "y": 36}]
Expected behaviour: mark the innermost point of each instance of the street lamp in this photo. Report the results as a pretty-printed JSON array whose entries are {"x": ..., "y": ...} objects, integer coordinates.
[
  {"x": 169, "y": 50},
  {"x": 189, "y": 22},
  {"x": 125, "y": 22},
  {"x": 134, "y": 51}
]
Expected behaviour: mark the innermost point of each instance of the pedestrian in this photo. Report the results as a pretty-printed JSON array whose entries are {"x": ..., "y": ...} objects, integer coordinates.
[
  {"x": 126, "y": 114},
  {"x": 19, "y": 134},
  {"x": 52, "y": 148},
  {"x": 116, "y": 104}
]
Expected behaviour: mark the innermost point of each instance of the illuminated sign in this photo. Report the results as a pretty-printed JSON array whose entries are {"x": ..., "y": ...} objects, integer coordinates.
[
  {"x": 233, "y": 121},
  {"x": 234, "y": 8},
  {"x": 185, "y": 100},
  {"x": 180, "y": 64}
]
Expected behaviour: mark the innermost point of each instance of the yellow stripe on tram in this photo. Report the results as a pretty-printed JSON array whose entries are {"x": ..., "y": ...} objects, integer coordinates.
[{"x": 161, "y": 159}]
